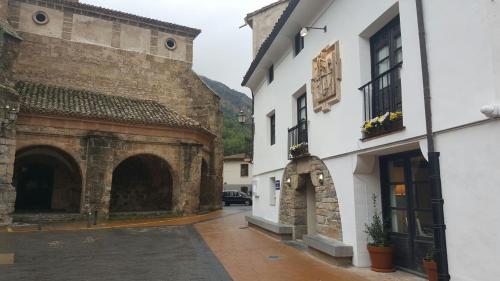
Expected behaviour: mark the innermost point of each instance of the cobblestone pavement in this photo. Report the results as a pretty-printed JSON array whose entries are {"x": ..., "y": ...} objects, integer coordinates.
[{"x": 136, "y": 254}]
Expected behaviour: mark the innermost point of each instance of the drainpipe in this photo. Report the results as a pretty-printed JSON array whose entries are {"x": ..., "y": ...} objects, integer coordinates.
[
  {"x": 253, "y": 128},
  {"x": 435, "y": 173}
]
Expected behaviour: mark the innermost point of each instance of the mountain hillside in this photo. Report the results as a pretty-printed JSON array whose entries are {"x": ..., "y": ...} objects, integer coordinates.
[{"x": 237, "y": 137}]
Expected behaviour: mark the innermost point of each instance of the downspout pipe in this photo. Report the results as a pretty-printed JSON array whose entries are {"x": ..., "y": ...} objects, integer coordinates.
[{"x": 440, "y": 251}]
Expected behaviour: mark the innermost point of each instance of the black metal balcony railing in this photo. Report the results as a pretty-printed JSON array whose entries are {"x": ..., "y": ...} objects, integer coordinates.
[
  {"x": 298, "y": 135},
  {"x": 383, "y": 93}
]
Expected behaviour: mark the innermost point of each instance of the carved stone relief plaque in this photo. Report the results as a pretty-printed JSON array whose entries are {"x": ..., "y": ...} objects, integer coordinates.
[{"x": 327, "y": 74}]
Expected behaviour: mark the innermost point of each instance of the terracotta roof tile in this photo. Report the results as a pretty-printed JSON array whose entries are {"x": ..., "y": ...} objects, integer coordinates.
[{"x": 59, "y": 101}]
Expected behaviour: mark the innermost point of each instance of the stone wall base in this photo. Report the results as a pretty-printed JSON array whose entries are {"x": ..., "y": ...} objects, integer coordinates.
[{"x": 7, "y": 203}]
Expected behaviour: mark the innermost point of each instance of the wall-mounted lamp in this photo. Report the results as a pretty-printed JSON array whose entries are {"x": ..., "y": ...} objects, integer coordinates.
[
  {"x": 306, "y": 29},
  {"x": 288, "y": 180},
  {"x": 242, "y": 118},
  {"x": 321, "y": 178}
]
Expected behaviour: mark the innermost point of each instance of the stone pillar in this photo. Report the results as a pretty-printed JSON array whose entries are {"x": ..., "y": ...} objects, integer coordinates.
[
  {"x": 186, "y": 198},
  {"x": 100, "y": 150},
  {"x": 9, "y": 106}
]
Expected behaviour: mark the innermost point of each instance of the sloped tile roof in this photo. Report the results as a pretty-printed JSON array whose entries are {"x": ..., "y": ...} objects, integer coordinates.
[
  {"x": 59, "y": 101},
  {"x": 265, "y": 8},
  {"x": 241, "y": 156}
]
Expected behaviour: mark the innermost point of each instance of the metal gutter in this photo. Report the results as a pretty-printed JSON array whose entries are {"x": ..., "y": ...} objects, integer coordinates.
[{"x": 440, "y": 251}]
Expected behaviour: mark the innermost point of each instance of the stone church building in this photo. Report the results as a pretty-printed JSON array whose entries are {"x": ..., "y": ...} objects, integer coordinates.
[{"x": 101, "y": 112}]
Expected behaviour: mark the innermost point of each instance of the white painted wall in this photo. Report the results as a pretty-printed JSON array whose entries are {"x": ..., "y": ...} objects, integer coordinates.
[
  {"x": 464, "y": 62},
  {"x": 262, "y": 205},
  {"x": 232, "y": 173},
  {"x": 470, "y": 177}
]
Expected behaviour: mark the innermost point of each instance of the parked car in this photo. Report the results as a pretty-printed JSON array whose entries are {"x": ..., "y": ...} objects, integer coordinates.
[{"x": 236, "y": 197}]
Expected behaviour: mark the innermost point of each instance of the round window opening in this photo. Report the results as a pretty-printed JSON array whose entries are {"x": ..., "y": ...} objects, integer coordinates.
[
  {"x": 170, "y": 44},
  {"x": 41, "y": 17}
]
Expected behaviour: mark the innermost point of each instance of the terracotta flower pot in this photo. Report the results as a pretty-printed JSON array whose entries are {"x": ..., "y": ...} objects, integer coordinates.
[
  {"x": 381, "y": 258},
  {"x": 431, "y": 270}
]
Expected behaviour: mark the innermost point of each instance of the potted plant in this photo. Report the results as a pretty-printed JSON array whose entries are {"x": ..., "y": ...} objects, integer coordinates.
[
  {"x": 381, "y": 252},
  {"x": 430, "y": 265}
]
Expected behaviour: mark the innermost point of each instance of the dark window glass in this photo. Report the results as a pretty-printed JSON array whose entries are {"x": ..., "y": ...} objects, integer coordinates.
[
  {"x": 302, "y": 118},
  {"x": 271, "y": 74},
  {"x": 244, "y": 170},
  {"x": 299, "y": 43},
  {"x": 272, "y": 120},
  {"x": 387, "y": 53}
]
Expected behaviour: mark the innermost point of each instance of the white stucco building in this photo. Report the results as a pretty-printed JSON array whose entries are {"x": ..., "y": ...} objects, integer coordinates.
[
  {"x": 381, "y": 62},
  {"x": 237, "y": 173}
]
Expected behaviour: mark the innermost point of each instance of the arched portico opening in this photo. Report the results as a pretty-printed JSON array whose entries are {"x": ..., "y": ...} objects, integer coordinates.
[
  {"x": 309, "y": 200},
  {"x": 205, "y": 192},
  {"x": 47, "y": 179},
  {"x": 142, "y": 183}
]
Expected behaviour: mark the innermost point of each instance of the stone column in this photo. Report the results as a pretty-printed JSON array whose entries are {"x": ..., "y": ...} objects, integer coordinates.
[
  {"x": 9, "y": 106},
  {"x": 99, "y": 153},
  {"x": 187, "y": 199}
]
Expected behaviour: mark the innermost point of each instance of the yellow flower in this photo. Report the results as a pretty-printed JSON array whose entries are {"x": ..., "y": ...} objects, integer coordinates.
[{"x": 395, "y": 116}]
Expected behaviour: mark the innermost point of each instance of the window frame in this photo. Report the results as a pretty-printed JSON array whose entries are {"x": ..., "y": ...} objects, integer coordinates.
[
  {"x": 301, "y": 109},
  {"x": 272, "y": 123},
  {"x": 244, "y": 172},
  {"x": 270, "y": 74},
  {"x": 299, "y": 44},
  {"x": 386, "y": 85}
]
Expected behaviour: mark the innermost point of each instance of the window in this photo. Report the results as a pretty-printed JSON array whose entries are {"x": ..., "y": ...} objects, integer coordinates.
[
  {"x": 272, "y": 121},
  {"x": 272, "y": 191},
  {"x": 299, "y": 43},
  {"x": 302, "y": 119},
  {"x": 244, "y": 170},
  {"x": 270, "y": 75},
  {"x": 40, "y": 18},
  {"x": 301, "y": 108},
  {"x": 171, "y": 44},
  {"x": 387, "y": 56}
]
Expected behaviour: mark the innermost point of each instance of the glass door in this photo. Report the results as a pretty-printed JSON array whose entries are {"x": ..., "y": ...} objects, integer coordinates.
[{"x": 406, "y": 199}]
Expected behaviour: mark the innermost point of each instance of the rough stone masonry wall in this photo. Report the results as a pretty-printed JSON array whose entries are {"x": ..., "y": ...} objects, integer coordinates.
[
  {"x": 263, "y": 24},
  {"x": 130, "y": 74},
  {"x": 8, "y": 102},
  {"x": 4, "y": 9},
  {"x": 8, "y": 97},
  {"x": 293, "y": 205},
  {"x": 98, "y": 154}
]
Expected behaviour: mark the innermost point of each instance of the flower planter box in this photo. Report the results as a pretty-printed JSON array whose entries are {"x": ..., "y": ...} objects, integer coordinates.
[
  {"x": 378, "y": 128},
  {"x": 300, "y": 151}
]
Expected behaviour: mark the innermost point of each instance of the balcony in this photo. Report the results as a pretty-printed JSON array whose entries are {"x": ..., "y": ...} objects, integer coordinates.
[
  {"x": 383, "y": 104},
  {"x": 298, "y": 141}
]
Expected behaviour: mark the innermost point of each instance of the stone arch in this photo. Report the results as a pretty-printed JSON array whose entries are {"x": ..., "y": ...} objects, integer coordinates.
[
  {"x": 318, "y": 215},
  {"x": 142, "y": 183},
  {"x": 47, "y": 179}
]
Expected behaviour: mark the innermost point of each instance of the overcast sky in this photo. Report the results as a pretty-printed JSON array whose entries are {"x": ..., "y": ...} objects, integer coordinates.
[{"x": 222, "y": 51}]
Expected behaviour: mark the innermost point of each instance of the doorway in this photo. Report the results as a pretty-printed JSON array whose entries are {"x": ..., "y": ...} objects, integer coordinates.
[{"x": 406, "y": 199}]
